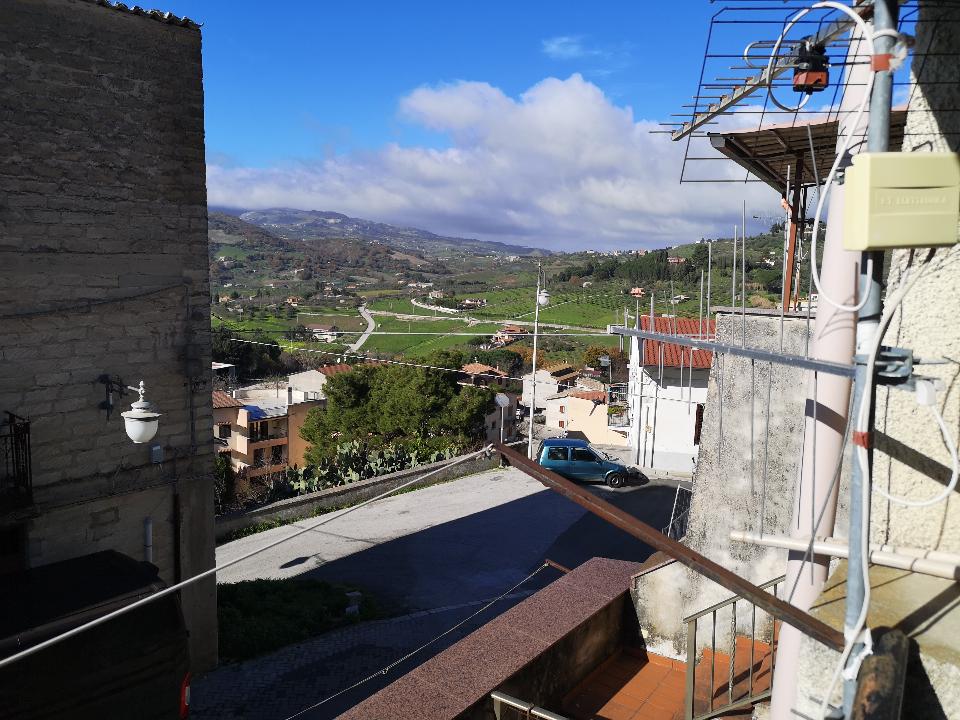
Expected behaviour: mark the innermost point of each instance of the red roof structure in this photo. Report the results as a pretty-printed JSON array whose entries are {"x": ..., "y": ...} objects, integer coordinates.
[
  {"x": 597, "y": 396},
  {"x": 656, "y": 352},
  {"x": 224, "y": 400},
  {"x": 477, "y": 368},
  {"x": 330, "y": 370}
]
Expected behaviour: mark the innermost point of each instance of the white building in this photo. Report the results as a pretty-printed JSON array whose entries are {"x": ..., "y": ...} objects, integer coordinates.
[
  {"x": 587, "y": 414},
  {"x": 309, "y": 385},
  {"x": 666, "y": 394},
  {"x": 551, "y": 379}
]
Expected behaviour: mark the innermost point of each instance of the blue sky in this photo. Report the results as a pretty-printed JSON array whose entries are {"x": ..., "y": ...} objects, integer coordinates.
[
  {"x": 524, "y": 122},
  {"x": 296, "y": 80}
]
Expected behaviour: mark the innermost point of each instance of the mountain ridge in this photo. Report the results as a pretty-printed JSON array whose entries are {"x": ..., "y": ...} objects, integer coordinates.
[{"x": 292, "y": 223}]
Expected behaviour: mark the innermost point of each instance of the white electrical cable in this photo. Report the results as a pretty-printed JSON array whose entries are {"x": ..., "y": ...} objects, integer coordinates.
[
  {"x": 860, "y": 453},
  {"x": 821, "y": 200},
  {"x": 948, "y": 490}
]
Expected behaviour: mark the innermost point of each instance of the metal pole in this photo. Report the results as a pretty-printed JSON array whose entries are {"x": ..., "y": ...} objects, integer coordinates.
[
  {"x": 533, "y": 371},
  {"x": 885, "y": 13},
  {"x": 733, "y": 271},
  {"x": 709, "y": 277},
  {"x": 700, "y": 326}
]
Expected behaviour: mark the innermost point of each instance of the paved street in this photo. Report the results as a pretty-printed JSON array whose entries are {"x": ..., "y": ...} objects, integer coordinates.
[{"x": 445, "y": 548}]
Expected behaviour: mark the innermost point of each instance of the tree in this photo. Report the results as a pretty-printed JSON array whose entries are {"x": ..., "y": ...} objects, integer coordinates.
[{"x": 396, "y": 404}]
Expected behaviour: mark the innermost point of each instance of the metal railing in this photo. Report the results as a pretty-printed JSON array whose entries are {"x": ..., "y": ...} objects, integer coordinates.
[
  {"x": 742, "y": 690},
  {"x": 16, "y": 473},
  {"x": 506, "y": 707}
]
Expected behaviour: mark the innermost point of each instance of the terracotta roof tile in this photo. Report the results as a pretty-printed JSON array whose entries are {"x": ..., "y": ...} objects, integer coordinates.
[
  {"x": 330, "y": 370},
  {"x": 679, "y": 326},
  {"x": 596, "y": 396},
  {"x": 674, "y": 355},
  {"x": 481, "y": 369},
  {"x": 223, "y": 400}
]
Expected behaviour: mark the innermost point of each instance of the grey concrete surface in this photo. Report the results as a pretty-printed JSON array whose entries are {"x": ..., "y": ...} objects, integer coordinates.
[{"x": 443, "y": 551}]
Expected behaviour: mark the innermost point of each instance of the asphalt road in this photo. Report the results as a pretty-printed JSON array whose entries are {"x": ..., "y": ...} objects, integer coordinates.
[
  {"x": 371, "y": 325},
  {"x": 458, "y": 542}
]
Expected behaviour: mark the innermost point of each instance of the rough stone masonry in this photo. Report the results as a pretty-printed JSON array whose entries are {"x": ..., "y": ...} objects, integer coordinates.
[{"x": 103, "y": 259}]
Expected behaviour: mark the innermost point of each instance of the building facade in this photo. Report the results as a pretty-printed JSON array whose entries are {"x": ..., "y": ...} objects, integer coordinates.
[
  {"x": 666, "y": 396},
  {"x": 103, "y": 254},
  {"x": 586, "y": 414}
]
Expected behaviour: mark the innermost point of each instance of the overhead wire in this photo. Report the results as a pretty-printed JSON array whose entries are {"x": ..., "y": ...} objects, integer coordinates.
[
  {"x": 176, "y": 587},
  {"x": 420, "y": 648}
]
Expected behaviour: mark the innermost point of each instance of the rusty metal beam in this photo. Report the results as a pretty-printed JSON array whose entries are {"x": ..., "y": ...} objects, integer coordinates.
[
  {"x": 880, "y": 683},
  {"x": 807, "y": 624}
]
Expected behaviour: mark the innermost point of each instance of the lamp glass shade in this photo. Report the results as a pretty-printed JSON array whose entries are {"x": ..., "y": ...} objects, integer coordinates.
[
  {"x": 141, "y": 422},
  {"x": 543, "y": 299}
]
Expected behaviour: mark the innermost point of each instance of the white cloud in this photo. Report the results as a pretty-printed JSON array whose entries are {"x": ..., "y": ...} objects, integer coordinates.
[
  {"x": 567, "y": 47},
  {"x": 560, "y": 166}
]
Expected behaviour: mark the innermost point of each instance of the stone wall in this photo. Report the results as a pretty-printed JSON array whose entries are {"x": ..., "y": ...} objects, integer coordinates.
[
  {"x": 725, "y": 498},
  {"x": 103, "y": 251}
]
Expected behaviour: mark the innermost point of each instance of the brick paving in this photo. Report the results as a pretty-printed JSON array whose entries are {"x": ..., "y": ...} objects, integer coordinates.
[{"x": 278, "y": 685}]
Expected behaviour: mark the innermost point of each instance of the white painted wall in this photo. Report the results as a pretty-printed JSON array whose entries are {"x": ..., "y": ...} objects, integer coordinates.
[
  {"x": 663, "y": 416},
  {"x": 546, "y": 386}
]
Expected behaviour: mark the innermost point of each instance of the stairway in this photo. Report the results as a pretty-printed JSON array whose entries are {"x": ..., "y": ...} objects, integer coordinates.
[{"x": 634, "y": 684}]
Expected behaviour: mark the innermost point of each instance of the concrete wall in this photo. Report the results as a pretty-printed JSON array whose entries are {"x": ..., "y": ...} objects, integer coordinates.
[
  {"x": 724, "y": 498},
  {"x": 667, "y": 414},
  {"x": 103, "y": 250},
  {"x": 910, "y": 459},
  {"x": 307, "y": 505},
  {"x": 296, "y": 445}
]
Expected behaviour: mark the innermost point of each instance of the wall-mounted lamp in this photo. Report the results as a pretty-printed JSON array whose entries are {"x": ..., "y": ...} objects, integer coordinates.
[{"x": 141, "y": 421}]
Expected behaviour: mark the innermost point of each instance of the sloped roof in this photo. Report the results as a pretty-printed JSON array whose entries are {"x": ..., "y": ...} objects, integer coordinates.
[
  {"x": 674, "y": 355},
  {"x": 263, "y": 412},
  {"x": 223, "y": 400},
  {"x": 597, "y": 396},
  {"x": 167, "y": 18},
  {"x": 481, "y": 369},
  {"x": 330, "y": 370}
]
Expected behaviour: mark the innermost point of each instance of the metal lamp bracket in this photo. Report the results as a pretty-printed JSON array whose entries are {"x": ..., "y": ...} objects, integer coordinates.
[{"x": 115, "y": 386}]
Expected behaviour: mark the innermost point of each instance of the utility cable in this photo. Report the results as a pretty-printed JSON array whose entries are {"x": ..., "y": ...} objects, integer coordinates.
[
  {"x": 845, "y": 146},
  {"x": 427, "y": 644},
  {"x": 212, "y": 571},
  {"x": 853, "y": 635}
]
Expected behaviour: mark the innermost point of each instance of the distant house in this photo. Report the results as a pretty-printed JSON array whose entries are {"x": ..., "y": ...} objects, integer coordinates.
[
  {"x": 437, "y": 294},
  {"x": 470, "y": 303},
  {"x": 507, "y": 334},
  {"x": 323, "y": 332},
  {"x": 586, "y": 284},
  {"x": 637, "y": 292},
  {"x": 480, "y": 374},
  {"x": 551, "y": 379},
  {"x": 666, "y": 395},
  {"x": 679, "y": 298},
  {"x": 308, "y": 385},
  {"x": 294, "y": 300},
  {"x": 585, "y": 412},
  {"x": 676, "y": 260}
]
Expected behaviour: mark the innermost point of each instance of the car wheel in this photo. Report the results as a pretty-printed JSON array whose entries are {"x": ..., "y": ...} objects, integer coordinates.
[{"x": 615, "y": 480}]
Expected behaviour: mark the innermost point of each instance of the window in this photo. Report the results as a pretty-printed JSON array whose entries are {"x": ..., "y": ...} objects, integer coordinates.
[
  {"x": 224, "y": 431},
  {"x": 562, "y": 424},
  {"x": 563, "y": 409},
  {"x": 556, "y": 453},
  {"x": 258, "y": 457},
  {"x": 583, "y": 455},
  {"x": 276, "y": 457}
]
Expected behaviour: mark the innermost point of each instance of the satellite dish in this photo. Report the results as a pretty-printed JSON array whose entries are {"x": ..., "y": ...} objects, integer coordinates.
[{"x": 502, "y": 400}]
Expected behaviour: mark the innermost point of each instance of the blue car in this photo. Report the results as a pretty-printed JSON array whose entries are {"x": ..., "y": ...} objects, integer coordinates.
[{"x": 576, "y": 460}]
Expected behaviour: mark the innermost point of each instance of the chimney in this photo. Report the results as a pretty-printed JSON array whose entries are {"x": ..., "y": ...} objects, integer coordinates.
[{"x": 289, "y": 395}]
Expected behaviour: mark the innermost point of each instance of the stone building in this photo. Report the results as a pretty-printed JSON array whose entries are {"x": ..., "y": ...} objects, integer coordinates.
[{"x": 103, "y": 257}]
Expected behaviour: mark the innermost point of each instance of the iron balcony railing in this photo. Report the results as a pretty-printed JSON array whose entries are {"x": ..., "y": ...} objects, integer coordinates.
[
  {"x": 749, "y": 679},
  {"x": 506, "y": 707},
  {"x": 16, "y": 474}
]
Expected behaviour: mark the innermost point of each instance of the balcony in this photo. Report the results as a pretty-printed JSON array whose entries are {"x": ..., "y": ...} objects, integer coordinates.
[{"x": 16, "y": 479}]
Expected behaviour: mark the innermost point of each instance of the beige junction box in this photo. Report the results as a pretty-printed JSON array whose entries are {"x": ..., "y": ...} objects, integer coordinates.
[{"x": 898, "y": 200}]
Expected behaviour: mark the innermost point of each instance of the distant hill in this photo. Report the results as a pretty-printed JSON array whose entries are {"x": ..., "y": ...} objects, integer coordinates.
[
  {"x": 316, "y": 224},
  {"x": 224, "y": 229}
]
